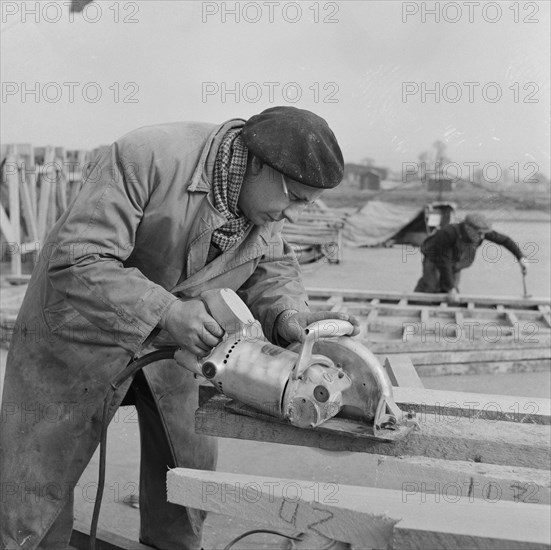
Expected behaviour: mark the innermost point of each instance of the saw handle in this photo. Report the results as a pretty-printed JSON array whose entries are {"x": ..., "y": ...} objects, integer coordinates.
[{"x": 329, "y": 328}]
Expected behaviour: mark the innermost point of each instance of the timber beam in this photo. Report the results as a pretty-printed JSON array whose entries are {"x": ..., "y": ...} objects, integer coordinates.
[
  {"x": 363, "y": 516},
  {"x": 440, "y": 436}
]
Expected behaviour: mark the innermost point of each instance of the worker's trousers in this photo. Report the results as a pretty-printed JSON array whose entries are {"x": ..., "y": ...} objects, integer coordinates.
[
  {"x": 164, "y": 526},
  {"x": 430, "y": 280}
]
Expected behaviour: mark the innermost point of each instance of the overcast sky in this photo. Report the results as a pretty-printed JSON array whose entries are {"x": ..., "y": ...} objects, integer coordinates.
[{"x": 364, "y": 66}]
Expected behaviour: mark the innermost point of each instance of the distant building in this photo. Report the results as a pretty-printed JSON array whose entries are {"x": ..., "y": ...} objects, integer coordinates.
[
  {"x": 437, "y": 185},
  {"x": 370, "y": 180},
  {"x": 364, "y": 177}
]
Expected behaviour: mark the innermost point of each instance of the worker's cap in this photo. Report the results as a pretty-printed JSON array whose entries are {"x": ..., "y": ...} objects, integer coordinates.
[
  {"x": 478, "y": 221},
  {"x": 298, "y": 144}
]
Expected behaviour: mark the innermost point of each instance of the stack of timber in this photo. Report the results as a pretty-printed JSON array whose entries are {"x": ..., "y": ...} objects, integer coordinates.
[
  {"x": 475, "y": 335},
  {"x": 36, "y": 186},
  {"x": 466, "y": 479},
  {"x": 317, "y": 234},
  {"x": 469, "y": 478}
]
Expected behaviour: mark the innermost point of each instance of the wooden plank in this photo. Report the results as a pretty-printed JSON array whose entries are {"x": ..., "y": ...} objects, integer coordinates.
[
  {"x": 15, "y": 222},
  {"x": 27, "y": 248},
  {"x": 51, "y": 216},
  {"x": 371, "y": 316},
  {"x": 335, "y": 303},
  {"x": 483, "y": 367},
  {"x": 459, "y": 319},
  {"x": 424, "y": 315},
  {"x": 418, "y": 297},
  {"x": 451, "y": 404},
  {"x": 483, "y": 316},
  {"x": 401, "y": 371},
  {"x": 424, "y": 478},
  {"x": 474, "y": 406},
  {"x": 28, "y": 211},
  {"x": 43, "y": 205},
  {"x": 545, "y": 315},
  {"x": 62, "y": 184},
  {"x": 105, "y": 540},
  {"x": 6, "y": 226},
  {"x": 31, "y": 179},
  {"x": 512, "y": 319},
  {"x": 462, "y": 345},
  {"x": 50, "y": 177},
  {"x": 18, "y": 279},
  {"x": 368, "y": 517},
  {"x": 446, "y": 310},
  {"x": 435, "y": 357},
  {"x": 505, "y": 443}
]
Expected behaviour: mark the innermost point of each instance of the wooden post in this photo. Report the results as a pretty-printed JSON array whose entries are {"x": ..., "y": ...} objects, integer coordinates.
[
  {"x": 15, "y": 222},
  {"x": 52, "y": 175},
  {"x": 401, "y": 371},
  {"x": 43, "y": 204},
  {"x": 62, "y": 179}
]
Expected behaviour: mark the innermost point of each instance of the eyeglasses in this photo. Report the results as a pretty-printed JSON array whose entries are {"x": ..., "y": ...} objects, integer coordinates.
[
  {"x": 285, "y": 190},
  {"x": 302, "y": 203}
]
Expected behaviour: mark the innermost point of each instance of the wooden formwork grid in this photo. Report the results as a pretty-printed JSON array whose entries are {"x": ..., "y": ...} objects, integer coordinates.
[{"x": 38, "y": 183}]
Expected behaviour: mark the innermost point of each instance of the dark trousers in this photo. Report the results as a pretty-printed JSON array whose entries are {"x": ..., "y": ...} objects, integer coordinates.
[
  {"x": 163, "y": 525},
  {"x": 430, "y": 280}
]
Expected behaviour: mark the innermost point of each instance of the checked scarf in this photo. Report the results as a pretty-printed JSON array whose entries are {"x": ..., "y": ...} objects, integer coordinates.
[{"x": 229, "y": 170}]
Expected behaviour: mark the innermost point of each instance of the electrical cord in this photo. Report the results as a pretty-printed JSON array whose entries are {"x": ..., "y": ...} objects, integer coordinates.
[
  {"x": 254, "y": 531},
  {"x": 130, "y": 370}
]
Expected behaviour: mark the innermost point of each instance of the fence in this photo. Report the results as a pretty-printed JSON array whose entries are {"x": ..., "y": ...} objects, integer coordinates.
[{"x": 37, "y": 185}]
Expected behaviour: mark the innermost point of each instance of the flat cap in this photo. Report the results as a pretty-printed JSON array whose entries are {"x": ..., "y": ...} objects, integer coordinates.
[
  {"x": 478, "y": 221},
  {"x": 297, "y": 143}
]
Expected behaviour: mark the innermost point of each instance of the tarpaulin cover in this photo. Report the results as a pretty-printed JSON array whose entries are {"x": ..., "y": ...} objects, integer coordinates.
[{"x": 377, "y": 222}]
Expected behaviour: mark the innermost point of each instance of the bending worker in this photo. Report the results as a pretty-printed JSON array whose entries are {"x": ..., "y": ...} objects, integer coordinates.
[
  {"x": 168, "y": 212},
  {"x": 453, "y": 248}
]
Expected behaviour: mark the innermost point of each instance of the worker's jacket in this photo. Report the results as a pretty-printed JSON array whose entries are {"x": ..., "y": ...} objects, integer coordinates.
[
  {"x": 137, "y": 234},
  {"x": 451, "y": 250}
]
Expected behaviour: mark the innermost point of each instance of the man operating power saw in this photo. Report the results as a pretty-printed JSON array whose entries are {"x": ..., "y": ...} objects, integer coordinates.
[{"x": 168, "y": 212}]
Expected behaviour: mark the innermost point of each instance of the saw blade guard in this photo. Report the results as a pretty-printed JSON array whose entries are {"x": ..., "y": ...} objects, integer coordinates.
[{"x": 367, "y": 397}]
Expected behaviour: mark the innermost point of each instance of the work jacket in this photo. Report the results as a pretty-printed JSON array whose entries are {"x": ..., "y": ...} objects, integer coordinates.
[
  {"x": 135, "y": 238},
  {"x": 451, "y": 250}
]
